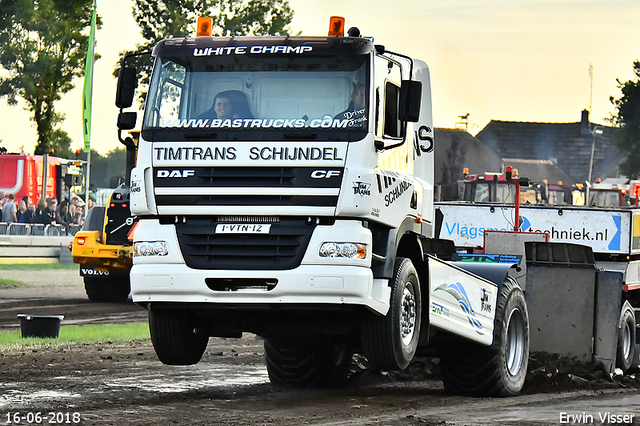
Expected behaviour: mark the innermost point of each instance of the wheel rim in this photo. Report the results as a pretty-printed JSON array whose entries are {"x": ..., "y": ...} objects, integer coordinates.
[
  {"x": 515, "y": 345},
  {"x": 408, "y": 314},
  {"x": 626, "y": 340}
]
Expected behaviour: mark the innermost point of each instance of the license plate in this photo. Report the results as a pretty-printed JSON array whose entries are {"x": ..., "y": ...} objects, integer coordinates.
[{"x": 243, "y": 228}]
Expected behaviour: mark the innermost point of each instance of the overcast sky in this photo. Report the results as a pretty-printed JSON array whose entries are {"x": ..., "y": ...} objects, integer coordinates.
[{"x": 512, "y": 60}]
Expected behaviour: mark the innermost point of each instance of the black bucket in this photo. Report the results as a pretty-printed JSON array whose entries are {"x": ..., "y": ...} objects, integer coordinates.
[{"x": 40, "y": 325}]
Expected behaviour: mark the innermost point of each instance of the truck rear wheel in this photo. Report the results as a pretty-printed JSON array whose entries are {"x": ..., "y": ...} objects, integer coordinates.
[
  {"x": 626, "y": 339},
  {"x": 177, "y": 337},
  {"x": 114, "y": 289},
  {"x": 308, "y": 363},
  {"x": 391, "y": 341},
  {"x": 499, "y": 369}
]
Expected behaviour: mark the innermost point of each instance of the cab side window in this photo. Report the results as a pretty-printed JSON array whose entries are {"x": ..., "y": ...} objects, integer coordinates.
[
  {"x": 387, "y": 81},
  {"x": 392, "y": 127}
]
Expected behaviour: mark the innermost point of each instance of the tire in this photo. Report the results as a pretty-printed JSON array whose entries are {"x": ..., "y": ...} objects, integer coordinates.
[
  {"x": 308, "y": 363},
  {"x": 496, "y": 370},
  {"x": 626, "y": 340},
  {"x": 177, "y": 337},
  {"x": 114, "y": 289},
  {"x": 390, "y": 342}
]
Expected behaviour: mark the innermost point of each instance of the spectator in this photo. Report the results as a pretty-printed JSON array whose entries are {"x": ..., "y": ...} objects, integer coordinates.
[
  {"x": 64, "y": 217},
  {"x": 50, "y": 211},
  {"x": 40, "y": 206},
  {"x": 32, "y": 209},
  {"x": 30, "y": 215},
  {"x": 22, "y": 211},
  {"x": 9, "y": 209},
  {"x": 77, "y": 216},
  {"x": 75, "y": 202},
  {"x": 41, "y": 217}
]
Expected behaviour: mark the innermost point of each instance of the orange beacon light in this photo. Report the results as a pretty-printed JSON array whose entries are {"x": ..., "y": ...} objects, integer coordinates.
[
  {"x": 336, "y": 26},
  {"x": 204, "y": 27}
]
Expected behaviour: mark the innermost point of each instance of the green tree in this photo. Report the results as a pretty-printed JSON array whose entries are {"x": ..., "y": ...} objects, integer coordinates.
[
  {"x": 627, "y": 118},
  {"x": 160, "y": 19},
  {"x": 43, "y": 50}
]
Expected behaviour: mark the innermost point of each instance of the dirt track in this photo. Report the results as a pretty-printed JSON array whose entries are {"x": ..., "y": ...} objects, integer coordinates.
[
  {"x": 58, "y": 292},
  {"x": 113, "y": 384}
]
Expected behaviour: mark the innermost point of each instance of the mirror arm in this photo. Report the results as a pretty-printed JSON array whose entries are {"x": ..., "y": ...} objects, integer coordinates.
[
  {"x": 409, "y": 58},
  {"x": 379, "y": 145},
  {"x": 128, "y": 142}
]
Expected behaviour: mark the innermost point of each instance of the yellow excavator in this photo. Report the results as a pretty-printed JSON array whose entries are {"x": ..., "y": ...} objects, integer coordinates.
[{"x": 102, "y": 247}]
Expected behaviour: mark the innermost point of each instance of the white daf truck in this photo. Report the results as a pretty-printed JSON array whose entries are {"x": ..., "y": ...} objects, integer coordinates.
[{"x": 306, "y": 215}]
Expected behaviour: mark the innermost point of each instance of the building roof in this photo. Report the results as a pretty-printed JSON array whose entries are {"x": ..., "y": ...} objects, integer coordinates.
[
  {"x": 566, "y": 144},
  {"x": 457, "y": 149}
]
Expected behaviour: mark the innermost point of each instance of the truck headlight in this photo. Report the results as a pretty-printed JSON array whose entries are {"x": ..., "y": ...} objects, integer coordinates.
[
  {"x": 346, "y": 250},
  {"x": 150, "y": 248}
]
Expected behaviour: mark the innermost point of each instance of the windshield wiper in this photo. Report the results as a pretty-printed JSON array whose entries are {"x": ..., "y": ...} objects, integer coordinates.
[
  {"x": 200, "y": 136},
  {"x": 307, "y": 136}
]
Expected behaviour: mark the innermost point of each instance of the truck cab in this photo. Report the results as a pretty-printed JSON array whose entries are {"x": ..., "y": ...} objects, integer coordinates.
[
  {"x": 497, "y": 189},
  {"x": 284, "y": 187},
  {"x": 302, "y": 178},
  {"x": 610, "y": 192}
]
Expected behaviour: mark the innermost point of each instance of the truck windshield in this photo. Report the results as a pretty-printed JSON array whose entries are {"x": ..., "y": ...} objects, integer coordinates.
[
  {"x": 491, "y": 192},
  {"x": 244, "y": 97},
  {"x": 606, "y": 199}
]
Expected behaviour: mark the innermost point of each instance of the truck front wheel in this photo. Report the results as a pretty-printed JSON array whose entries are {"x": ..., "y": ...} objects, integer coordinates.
[
  {"x": 308, "y": 363},
  {"x": 391, "y": 341},
  {"x": 499, "y": 369},
  {"x": 177, "y": 337}
]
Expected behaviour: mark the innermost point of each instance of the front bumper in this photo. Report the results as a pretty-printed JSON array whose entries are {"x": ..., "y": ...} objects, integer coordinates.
[
  {"x": 304, "y": 285},
  {"x": 161, "y": 279}
]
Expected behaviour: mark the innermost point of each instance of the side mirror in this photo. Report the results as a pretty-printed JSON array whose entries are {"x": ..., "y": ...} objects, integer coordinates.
[
  {"x": 410, "y": 99},
  {"x": 127, "y": 82},
  {"x": 127, "y": 120}
]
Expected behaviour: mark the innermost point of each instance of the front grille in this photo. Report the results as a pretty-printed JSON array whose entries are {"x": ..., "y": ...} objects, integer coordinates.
[
  {"x": 248, "y": 200},
  {"x": 263, "y": 177},
  {"x": 247, "y": 186},
  {"x": 282, "y": 248}
]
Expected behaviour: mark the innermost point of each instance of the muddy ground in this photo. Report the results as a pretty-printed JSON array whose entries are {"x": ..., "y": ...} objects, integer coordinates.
[{"x": 117, "y": 384}]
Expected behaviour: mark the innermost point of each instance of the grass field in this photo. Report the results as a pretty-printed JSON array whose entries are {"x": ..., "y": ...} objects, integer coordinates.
[
  {"x": 16, "y": 269},
  {"x": 78, "y": 334},
  {"x": 9, "y": 283},
  {"x": 35, "y": 266}
]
